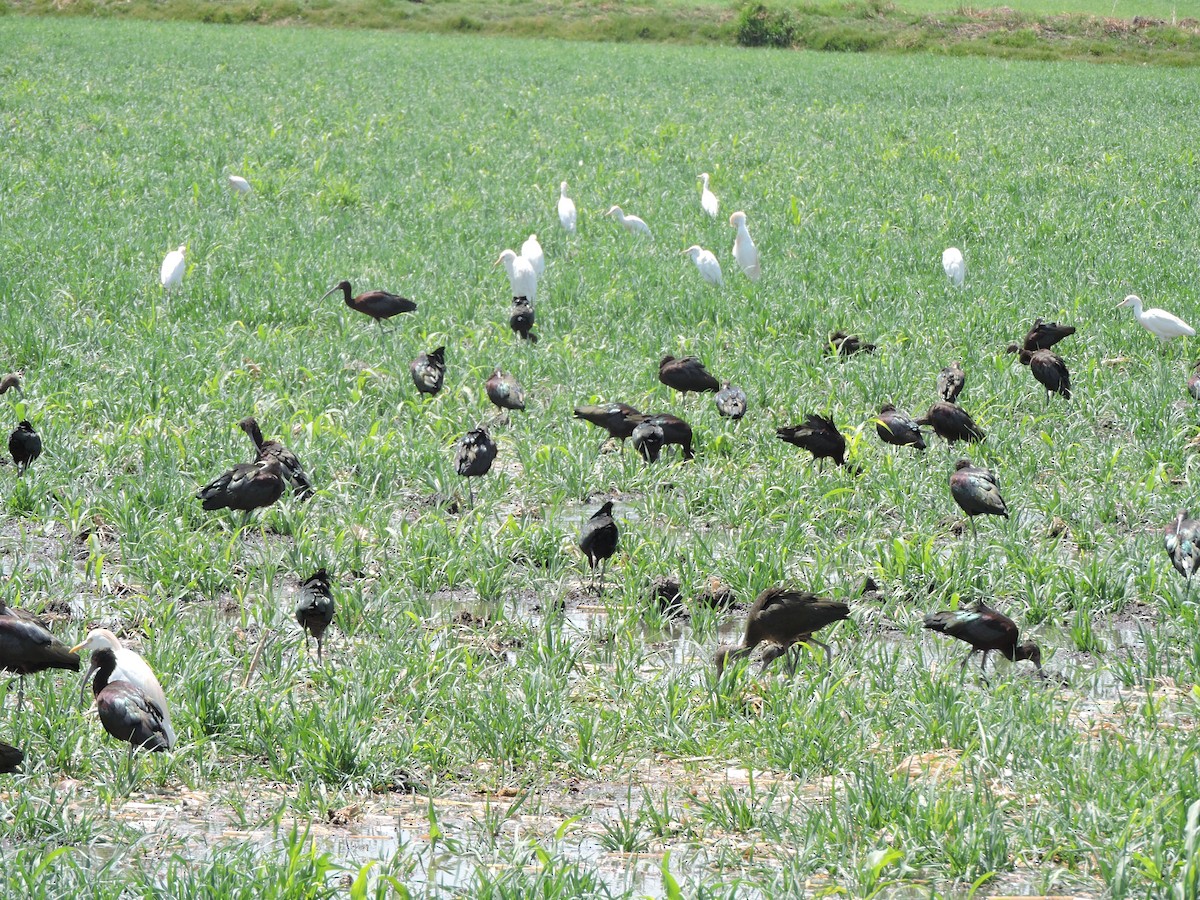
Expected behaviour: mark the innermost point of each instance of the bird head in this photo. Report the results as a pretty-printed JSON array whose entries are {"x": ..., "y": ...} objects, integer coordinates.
[
  {"x": 704, "y": 178},
  {"x": 693, "y": 251},
  {"x": 343, "y": 286},
  {"x": 25, "y": 425},
  {"x": 1013, "y": 348},
  {"x": 605, "y": 510},
  {"x": 886, "y": 408},
  {"x": 1131, "y": 300},
  {"x": 562, "y": 188},
  {"x": 738, "y": 218},
  {"x": 506, "y": 257},
  {"x": 98, "y": 639},
  {"x": 248, "y": 425},
  {"x": 1030, "y": 651},
  {"x": 614, "y": 210},
  {"x": 962, "y": 464},
  {"x": 720, "y": 658}
]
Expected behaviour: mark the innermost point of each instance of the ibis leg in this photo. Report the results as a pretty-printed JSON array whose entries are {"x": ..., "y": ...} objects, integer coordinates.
[{"x": 825, "y": 647}]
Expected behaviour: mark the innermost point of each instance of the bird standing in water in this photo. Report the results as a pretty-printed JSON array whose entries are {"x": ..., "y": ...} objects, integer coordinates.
[
  {"x": 783, "y": 617},
  {"x": 985, "y": 630},
  {"x": 598, "y": 539}
]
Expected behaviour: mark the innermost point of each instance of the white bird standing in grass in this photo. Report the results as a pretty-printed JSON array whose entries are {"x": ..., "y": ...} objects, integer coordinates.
[
  {"x": 567, "y": 216},
  {"x": 130, "y": 667},
  {"x": 522, "y": 276},
  {"x": 1158, "y": 322},
  {"x": 744, "y": 250},
  {"x": 532, "y": 251},
  {"x": 708, "y": 200},
  {"x": 173, "y": 266},
  {"x": 632, "y": 224},
  {"x": 955, "y": 265},
  {"x": 238, "y": 184},
  {"x": 709, "y": 268}
]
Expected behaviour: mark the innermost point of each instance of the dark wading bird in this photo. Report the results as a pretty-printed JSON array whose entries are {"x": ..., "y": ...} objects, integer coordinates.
[
  {"x": 10, "y": 758},
  {"x": 675, "y": 431},
  {"x": 687, "y": 374},
  {"x": 289, "y": 463},
  {"x": 894, "y": 427},
  {"x": 1181, "y": 539},
  {"x": 505, "y": 391},
  {"x": 984, "y": 629},
  {"x": 843, "y": 344},
  {"x": 314, "y": 608},
  {"x": 428, "y": 370},
  {"x": 618, "y": 419},
  {"x": 473, "y": 457},
  {"x": 648, "y": 441},
  {"x": 25, "y": 445},
  {"x": 521, "y": 319},
  {"x": 26, "y": 647},
  {"x": 1193, "y": 384},
  {"x": 951, "y": 423},
  {"x": 598, "y": 539},
  {"x": 1049, "y": 370},
  {"x": 819, "y": 436},
  {"x": 129, "y": 699},
  {"x": 379, "y": 305},
  {"x": 782, "y": 618},
  {"x": 10, "y": 381},
  {"x": 731, "y": 401},
  {"x": 976, "y": 491},
  {"x": 1043, "y": 336},
  {"x": 951, "y": 381},
  {"x": 245, "y": 487}
]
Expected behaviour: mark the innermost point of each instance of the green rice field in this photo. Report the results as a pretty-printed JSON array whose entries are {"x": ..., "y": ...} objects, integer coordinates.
[{"x": 484, "y": 724}]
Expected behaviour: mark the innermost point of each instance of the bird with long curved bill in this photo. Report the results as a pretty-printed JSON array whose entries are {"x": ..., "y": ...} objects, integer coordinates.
[
  {"x": 289, "y": 463},
  {"x": 782, "y": 618},
  {"x": 27, "y": 647},
  {"x": 985, "y": 630},
  {"x": 379, "y": 305}
]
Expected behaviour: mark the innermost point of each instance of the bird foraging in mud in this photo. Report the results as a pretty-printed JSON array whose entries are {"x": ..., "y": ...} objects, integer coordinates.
[
  {"x": 819, "y": 436},
  {"x": 618, "y": 419},
  {"x": 951, "y": 423},
  {"x": 289, "y": 464},
  {"x": 129, "y": 699},
  {"x": 686, "y": 374},
  {"x": 24, "y": 445},
  {"x": 521, "y": 319},
  {"x": 428, "y": 370},
  {"x": 598, "y": 539},
  {"x": 379, "y": 305},
  {"x": 731, "y": 401},
  {"x": 977, "y": 491},
  {"x": 245, "y": 487},
  {"x": 783, "y": 617},
  {"x": 675, "y": 431},
  {"x": 951, "y": 381},
  {"x": 897, "y": 429},
  {"x": 648, "y": 441},
  {"x": 315, "y": 608},
  {"x": 473, "y": 457},
  {"x": 1049, "y": 370},
  {"x": 27, "y": 647},
  {"x": 985, "y": 630},
  {"x": 505, "y": 391}
]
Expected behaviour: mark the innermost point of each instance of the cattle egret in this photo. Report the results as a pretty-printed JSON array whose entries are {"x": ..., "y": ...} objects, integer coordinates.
[
  {"x": 708, "y": 200},
  {"x": 238, "y": 184},
  {"x": 955, "y": 265},
  {"x": 709, "y": 268},
  {"x": 532, "y": 251},
  {"x": 522, "y": 276},
  {"x": 1158, "y": 322},
  {"x": 632, "y": 224},
  {"x": 744, "y": 250},
  {"x": 112, "y": 662},
  {"x": 566, "y": 209},
  {"x": 173, "y": 265}
]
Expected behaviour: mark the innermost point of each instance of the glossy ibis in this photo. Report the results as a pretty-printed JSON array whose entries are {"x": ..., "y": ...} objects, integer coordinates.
[
  {"x": 1049, "y": 370},
  {"x": 521, "y": 318},
  {"x": 27, "y": 647},
  {"x": 985, "y": 630},
  {"x": 598, "y": 539},
  {"x": 744, "y": 251},
  {"x": 289, "y": 464},
  {"x": 473, "y": 457},
  {"x": 648, "y": 441},
  {"x": 505, "y": 391},
  {"x": 314, "y": 608},
  {"x": 139, "y": 708},
  {"x": 25, "y": 445},
  {"x": 951, "y": 381},
  {"x": 951, "y": 423},
  {"x": 897, "y": 429},
  {"x": 531, "y": 249},
  {"x": 618, "y": 419},
  {"x": 1181, "y": 539},
  {"x": 843, "y": 344},
  {"x": 10, "y": 758},
  {"x": 632, "y": 224},
  {"x": 1043, "y": 335},
  {"x": 1158, "y": 322},
  {"x": 731, "y": 401},
  {"x": 1193, "y": 384},
  {"x": 783, "y": 617},
  {"x": 976, "y": 490},
  {"x": 379, "y": 305},
  {"x": 675, "y": 431},
  {"x": 10, "y": 381},
  {"x": 706, "y": 263},
  {"x": 954, "y": 265},
  {"x": 708, "y": 200},
  {"x": 687, "y": 374},
  {"x": 428, "y": 370},
  {"x": 819, "y": 436},
  {"x": 173, "y": 266},
  {"x": 238, "y": 184},
  {"x": 245, "y": 487},
  {"x": 567, "y": 215}
]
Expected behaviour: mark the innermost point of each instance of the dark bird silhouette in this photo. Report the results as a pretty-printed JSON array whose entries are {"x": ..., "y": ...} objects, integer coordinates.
[
  {"x": 10, "y": 381},
  {"x": 505, "y": 391},
  {"x": 289, "y": 464},
  {"x": 24, "y": 445},
  {"x": 245, "y": 487},
  {"x": 844, "y": 344},
  {"x": 314, "y": 608},
  {"x": 894, "y": 427},
  {"x": 675, "y": 431},
  {"x": 379, "y": 305},
  {"x": 985, "y": 630},
  {"x": 1043, "y": 336},
  {"x": 618, "y": 419},
  {"x": 473, "y": 457},
  {"x": 26, "y": 647},
  {"x": 819, "y": 436},
  {"x": 10, "y": 758},
  {"x": 428, "y": 370},
  {"x": 951, "y": 381},
  {"x": 782, "y": 617},
  {"x": 687, "y": 374},
  {"x": 1181, "y": 538},
  {"x": 951, "y": 423},
  {"x": 1193, "y": 384},
  {"x": 731, "y": 401},
  {"x": 976, "y": 491},
  {"x": 1049, "y": 370},
  {"x": 521, "y": 319},
  {"x": 648, "y": 441},
  {"x": 598, "y": 539}
]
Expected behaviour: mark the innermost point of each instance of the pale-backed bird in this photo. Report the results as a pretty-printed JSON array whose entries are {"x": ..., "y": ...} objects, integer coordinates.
[
  {"x": 114, "y": 663},
  {"x": 1158, "y": 322},
  {"x": 632, "y": 224},
  {"x": 954, "y": 265},
  {"x": 522, "y": 276},
  {"x": 532, "y": 251},
  {"x": 567, "y": 216},
  {"x": 710, "y": 269},
  {"x": 708, "y": 200},
  {"x": 173, "y": 266},
  {"x": 744, "y": 250},
  {"x": 238, "y": 184}
]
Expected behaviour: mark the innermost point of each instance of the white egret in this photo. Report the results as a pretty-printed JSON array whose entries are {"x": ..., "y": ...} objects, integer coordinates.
[
  {"x": 708, "y": 200},
  {"x": 955, "y": 265},
  {"x": 710, "y": 269},
  {"x": 532, "y": 251},
  {"x": 632, "y": 224},
  {"x": 238, "y": 184},
  {"x": 566, "y": 209},
  {"x": 522, "y": 276},
  {"x": 1158, "y": 322},
  {"x": 126, "y": 665},
  {"x": 173, "y": 266},
  {"x": 744, "y": 250}
]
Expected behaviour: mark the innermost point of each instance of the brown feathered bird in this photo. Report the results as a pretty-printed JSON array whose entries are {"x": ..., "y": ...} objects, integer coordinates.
[
  {"x": 951, "y": 423},
  {"x": 1049, "y": 370},
  {"x": 315, "y": 608},
  {"x": 844, "y": 344},
  {"x": 1193, "y": 384},
  {"x": 950, "y": 382},
  {"x": 985, "y": 630},
  {"x": 819, "y": 436},
  {"x": 289, "y": 463},
  {"x": 598, "y": 539},
  {"x": 522, "y": 318},
  {"x": 27, "y": 647},
  {"x": 675, "y": 431},
  {"x": 505, "y": 391},
  {"x": 1042, "y": 336},
  {"x": 618, "y": 419},
  {"x": 473, "y": 457},
  {"x": 687, "y": 374},
  {"x": 428, "y": 371},
  {"x": 977, "y": 491},
  {"x": 783, "y": 617},
  {"x": 894, "y": 427},
  {"x": 379, "y": 305},
  {"x": 10, "y": 381},
  {"x": 25, "y": 445},
  {"x": 245, "y": 487}
]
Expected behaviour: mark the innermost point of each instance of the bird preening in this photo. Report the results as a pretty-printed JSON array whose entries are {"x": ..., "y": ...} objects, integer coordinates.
[
  {"x": 379, "y": 305},
  {"x": 950, "y": 382},
  {"x": 731, "y": 401},
  {"x": 782, "y": 618},
  {"x": 245, "y": 487},
  {"x": 289, "y": 464},
  {"x": 473, "y": 457},
  {"x": 428, "y": 370},
  {"x": 819, "y": 436}
]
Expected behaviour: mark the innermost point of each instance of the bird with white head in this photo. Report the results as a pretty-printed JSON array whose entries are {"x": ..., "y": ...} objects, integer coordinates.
[
  {"x": 632, "y": 224},
  {"x": 708, "y": 200},
  {"x": 567, "y": 215},
  {"x": 522, "y": 276},
  {"x": 105, "y": 647},
  {"x": 1158, "y": 322},
  {"x": 954, "y": 265},
  {"x": 706, "y": 262},
  {"x": 744, "y": 250},
  {"x": 238, "y": 184},
  {"x": 532, "y": 251},
  {"x": 173, "y": 267}
]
